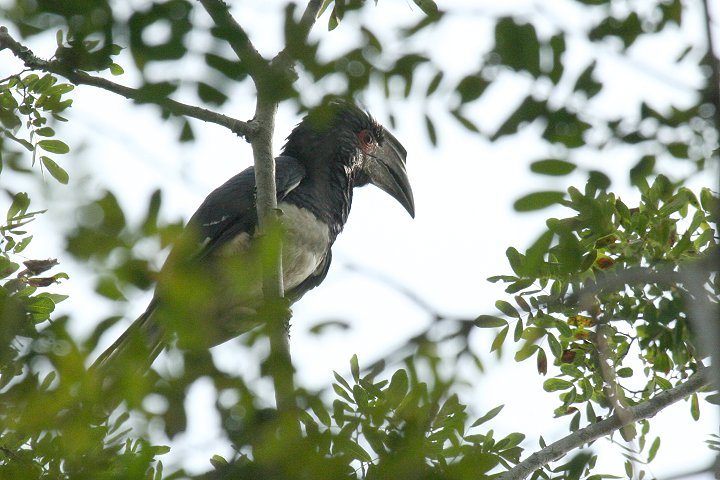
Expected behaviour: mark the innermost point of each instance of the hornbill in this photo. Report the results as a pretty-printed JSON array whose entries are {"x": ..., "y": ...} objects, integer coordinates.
[{"x": 210, "y": 288}]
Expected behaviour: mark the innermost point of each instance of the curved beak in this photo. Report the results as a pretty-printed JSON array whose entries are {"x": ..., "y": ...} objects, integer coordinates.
[{"x": 385, "y": 168}]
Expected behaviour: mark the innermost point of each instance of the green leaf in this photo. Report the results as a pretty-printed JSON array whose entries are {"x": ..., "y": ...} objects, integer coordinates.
[
  {"x": 642, "y": 170},
  {"x": 464, "y": 121},
  {"x": 695, "y": 407},
  {"x": 625, "y": 372},
  {"x": 653, "y": 449},
  {"x": 528, "y": 111},
  {"x": 507, "y": 309},
  {"x": 430, "y": 127},
  {"x": 512, "y": 440},
  {"x": 586, "y": 83},
  {"x": 210, "y": 94},
  {"x": 517, "y": 46},
  {"x": 54, "y": 146},
  {"x": 538, "y": 200},
  {"x": 525, "y": 352},
  {"x": 397, "y": 389},
  {"x": 471, "y": 88},
  {"x": 40, "y": 308},
  {"x": 555, "y": 384},
  {"x": 351, "y": 448},
  {"x": 499, "y": 339},
  {"x": 552, "y": 167},
  {"x": 434, "y": 83},
  {"x": 489, "y": 321},
  {"x": 19, "y": 205},
  {"x": 55, "y": 170},
  {"x": 116, "y": 69},
  {"x": 45, "y": 132},
  {"x": 355, "y": 368},
  {"x": 429, "y": 7},
  {"x": 488, "y": 416},
  {"x": 541, "y": 361}
]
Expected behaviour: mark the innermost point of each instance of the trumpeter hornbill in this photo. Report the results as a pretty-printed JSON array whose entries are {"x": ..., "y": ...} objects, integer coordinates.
[{"x": 335, "y": 148}]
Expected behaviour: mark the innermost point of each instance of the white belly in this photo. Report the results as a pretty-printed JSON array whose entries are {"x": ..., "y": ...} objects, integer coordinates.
[{"x": 304, "y": 247}]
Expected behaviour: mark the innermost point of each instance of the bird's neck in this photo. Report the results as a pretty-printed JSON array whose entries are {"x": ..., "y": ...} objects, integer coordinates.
[{"x": 327, "y": 193}]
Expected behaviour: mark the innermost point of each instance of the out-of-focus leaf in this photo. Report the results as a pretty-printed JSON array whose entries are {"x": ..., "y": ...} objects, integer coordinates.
[
  {"x": 538, "y": 200},
  {"x": 210, "y": 94},
  {"x": 553, "y": 167},
  {"x": 430, "y": 127},
  {"x": 517, "y": 46},
  {"x": 528, "y": 111},
  {"x": 471, "y": 88},
  {"x": 464, "y": 121}
]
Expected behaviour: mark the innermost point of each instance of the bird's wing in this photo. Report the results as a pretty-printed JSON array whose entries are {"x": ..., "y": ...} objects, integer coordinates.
[{"x": 230, "y": 209}]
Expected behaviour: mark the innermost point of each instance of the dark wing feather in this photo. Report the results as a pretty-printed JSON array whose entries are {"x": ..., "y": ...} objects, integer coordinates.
[{"x": 228, "y": 211}]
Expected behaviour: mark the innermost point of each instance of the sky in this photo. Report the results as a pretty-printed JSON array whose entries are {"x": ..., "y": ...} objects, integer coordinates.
[{"x": 464, "y": 191}]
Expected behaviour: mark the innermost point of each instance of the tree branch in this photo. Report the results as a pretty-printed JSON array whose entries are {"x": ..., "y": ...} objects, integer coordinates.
[
  {"x": 236, "y": 37},
  {"x": 262, "y": 71},
  {"x": 605, "y": 427},
  {"x": 33, "y": 62},
  {"x": 308, "y": 17}
]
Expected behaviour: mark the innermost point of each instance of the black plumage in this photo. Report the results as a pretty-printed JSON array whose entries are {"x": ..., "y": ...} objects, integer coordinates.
[{"x": 335, "y": 148}]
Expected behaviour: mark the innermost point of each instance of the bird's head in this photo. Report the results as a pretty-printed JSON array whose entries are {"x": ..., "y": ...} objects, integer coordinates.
[{"x": 338, "y": 131}]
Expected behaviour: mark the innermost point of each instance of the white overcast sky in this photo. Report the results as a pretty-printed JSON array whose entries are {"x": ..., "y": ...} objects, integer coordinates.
[{"x": 464, "y": 190}]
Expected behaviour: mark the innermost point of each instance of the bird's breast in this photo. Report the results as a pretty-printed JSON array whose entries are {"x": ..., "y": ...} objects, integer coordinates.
[{"x": 306, "y": 243}]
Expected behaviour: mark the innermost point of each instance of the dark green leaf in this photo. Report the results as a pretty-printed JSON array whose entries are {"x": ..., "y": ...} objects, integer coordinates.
[
  {"x": 553, "y": 167},
  {"x": 528, "y": 111},
  {"x": 430, "y": 127},
  {"x": 489, "y": 321},
  {"x": 471, "y": 87},
  {"x": 464, "y": 121},
  {"x": 517, "y": 46},
  {"x": 210, "y": 94},
  {"x": 434, "y": 83},
  {"x": 507, "y": 309}
]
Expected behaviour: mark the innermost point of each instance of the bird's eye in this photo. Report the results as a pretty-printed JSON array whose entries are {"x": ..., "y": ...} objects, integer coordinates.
[{"x": 366, "y": 139}]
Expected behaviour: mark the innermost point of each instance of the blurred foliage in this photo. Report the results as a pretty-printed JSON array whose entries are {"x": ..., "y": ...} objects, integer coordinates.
[{"x": 572, "y": 305}]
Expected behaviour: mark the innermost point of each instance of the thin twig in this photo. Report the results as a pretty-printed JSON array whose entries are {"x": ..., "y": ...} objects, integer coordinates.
[
  {"x": 244, "y": 129},
  {"x": 605, "y": 427}
]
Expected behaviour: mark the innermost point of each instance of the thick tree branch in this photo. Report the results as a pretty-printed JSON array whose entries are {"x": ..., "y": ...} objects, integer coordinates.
[
  {"x": 605, "y": 427},
  {"x": 33, "y": 62}
]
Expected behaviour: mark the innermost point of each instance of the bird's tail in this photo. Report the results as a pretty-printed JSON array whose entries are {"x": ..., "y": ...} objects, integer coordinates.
[{"x": 134, "y": 351}]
